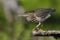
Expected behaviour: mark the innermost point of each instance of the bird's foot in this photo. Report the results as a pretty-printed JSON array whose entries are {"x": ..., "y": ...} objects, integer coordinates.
[
  {"x": 41, "y": 30},
  {"x": 38, "y": 30}
]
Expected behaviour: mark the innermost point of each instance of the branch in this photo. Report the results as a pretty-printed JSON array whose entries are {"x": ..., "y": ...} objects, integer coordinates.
[{"x": 39, "y": 32}]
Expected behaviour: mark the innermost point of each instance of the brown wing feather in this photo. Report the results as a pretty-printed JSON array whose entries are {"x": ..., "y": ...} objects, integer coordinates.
[{"x": 43, "y": 12}]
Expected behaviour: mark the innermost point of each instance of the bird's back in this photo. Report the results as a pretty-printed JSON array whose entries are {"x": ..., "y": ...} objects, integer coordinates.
[{"x": 43, "y": 12}]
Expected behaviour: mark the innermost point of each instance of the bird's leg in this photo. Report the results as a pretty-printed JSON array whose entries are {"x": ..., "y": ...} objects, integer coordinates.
[
  {"x": 38, "y": 25},
  {"x": 38, "y": 28}
]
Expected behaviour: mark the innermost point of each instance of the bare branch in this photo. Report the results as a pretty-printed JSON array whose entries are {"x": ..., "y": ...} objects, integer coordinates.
[{"x": 54, "y": 33}]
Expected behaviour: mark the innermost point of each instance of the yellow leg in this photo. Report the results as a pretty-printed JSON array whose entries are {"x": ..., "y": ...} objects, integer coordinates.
[
  {"x": 38, "y": 25},
  {"x": 37, "y": 29}
]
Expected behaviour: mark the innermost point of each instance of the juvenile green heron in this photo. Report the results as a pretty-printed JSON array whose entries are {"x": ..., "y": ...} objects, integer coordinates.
[{"x": 38, "y": 15}]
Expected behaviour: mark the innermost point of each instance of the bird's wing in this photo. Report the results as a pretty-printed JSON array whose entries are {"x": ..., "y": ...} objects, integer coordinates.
[{"x": 43, "y": 12}]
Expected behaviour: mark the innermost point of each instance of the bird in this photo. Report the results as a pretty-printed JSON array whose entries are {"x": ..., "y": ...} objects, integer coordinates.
[{"x": 38, "y": 15}]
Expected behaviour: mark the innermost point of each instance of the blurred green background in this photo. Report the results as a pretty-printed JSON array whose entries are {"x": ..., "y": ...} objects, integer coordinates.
[{"x": 22, "y": 32}]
